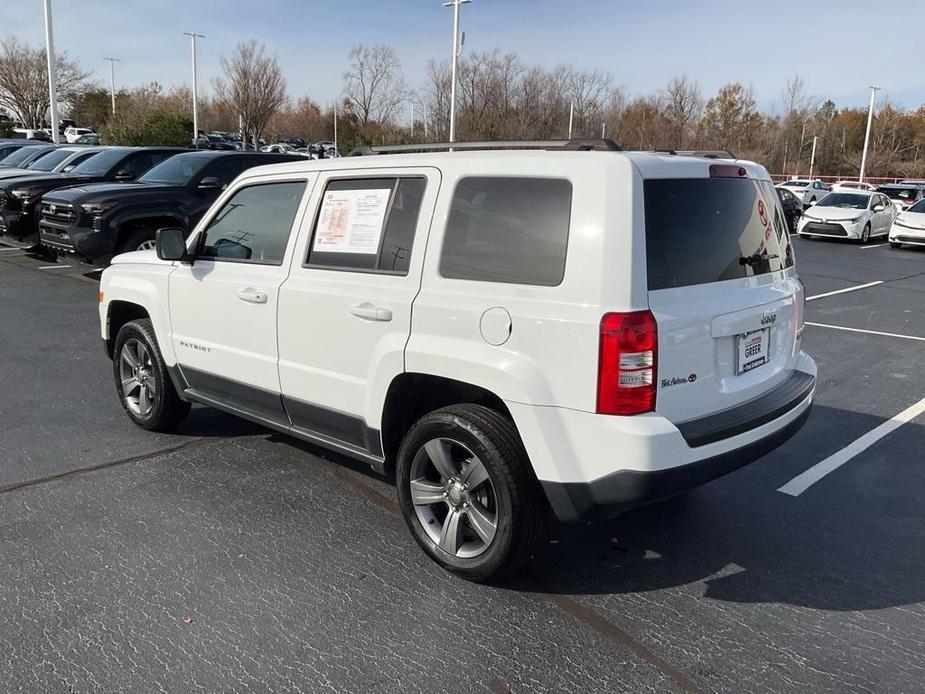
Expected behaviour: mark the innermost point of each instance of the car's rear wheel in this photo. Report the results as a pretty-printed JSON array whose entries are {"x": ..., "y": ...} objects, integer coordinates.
[
  {"x": 468, "y": 493},
  {"x": 142, "y": 381}
]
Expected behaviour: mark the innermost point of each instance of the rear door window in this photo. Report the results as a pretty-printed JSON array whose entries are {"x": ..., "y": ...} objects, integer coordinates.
[
  {"x": 512, "y": 230},
  {"x": 702, "y": 230}
]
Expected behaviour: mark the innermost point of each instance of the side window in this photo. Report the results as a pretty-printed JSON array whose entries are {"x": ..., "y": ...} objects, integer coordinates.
[
  {"x": 77, "y": 160},
  {"x": 512, "y": 230},
  {"x": 254, "y": 225},
  {"x": 226, "y": 169},
  {"x": 142, "y": 161},
  {"x": 367, "y": 224}
]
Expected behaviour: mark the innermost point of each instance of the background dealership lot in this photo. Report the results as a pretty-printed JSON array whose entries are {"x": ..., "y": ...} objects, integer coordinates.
[{"x": 229, "y": 557}]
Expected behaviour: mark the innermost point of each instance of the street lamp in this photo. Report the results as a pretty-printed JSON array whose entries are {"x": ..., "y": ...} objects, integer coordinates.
[
  {"x": 193, "y": 36},
  {"x": 870, "y": 118},
  {"x": 112, "y": 81},
  {"x": 456, "y": 48},
  {"x": 812, "y": 158},
  {"x": 52, "y": 82}
]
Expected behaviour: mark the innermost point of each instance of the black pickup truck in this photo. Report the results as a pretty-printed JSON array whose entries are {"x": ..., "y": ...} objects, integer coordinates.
[
  {"x": 95, "y": 222},
  {"x": 19, "y": 197}
]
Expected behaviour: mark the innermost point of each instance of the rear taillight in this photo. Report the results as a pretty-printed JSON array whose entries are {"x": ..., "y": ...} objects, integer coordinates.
[{"x": 628, "y": 363}]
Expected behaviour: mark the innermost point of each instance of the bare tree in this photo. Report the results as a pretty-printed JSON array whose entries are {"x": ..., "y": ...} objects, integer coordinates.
[
  {"x": 682, "y": 109},
  {"x": 24, "y": 80},
  {"x": 253, "y": 85},
  {"x": 374, "y": 85}
]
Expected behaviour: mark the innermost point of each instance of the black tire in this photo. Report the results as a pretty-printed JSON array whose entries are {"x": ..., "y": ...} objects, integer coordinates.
[
  {"x": 895, "y": 244},
  {"x": 167, "y": 410},
  {"x": 865, "y": 235},
  {"x": 521, "y": 511},
  {"x": 132, "y": 238}
]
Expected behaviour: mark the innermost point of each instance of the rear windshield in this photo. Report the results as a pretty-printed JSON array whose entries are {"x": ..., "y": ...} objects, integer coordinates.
[
  {"x": 903, "y": 194},
  {"x": 798, "y": 184},
  {"x": 701, "y": 230}
]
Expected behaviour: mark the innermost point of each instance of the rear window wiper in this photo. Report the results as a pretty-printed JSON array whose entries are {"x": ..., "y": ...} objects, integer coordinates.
[{"x": 752, "y": 260}]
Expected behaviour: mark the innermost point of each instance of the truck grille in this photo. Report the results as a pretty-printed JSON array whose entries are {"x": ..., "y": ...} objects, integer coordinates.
[
  {"x": 58, "y": 212},
  {"x": 824, "y": 229}
]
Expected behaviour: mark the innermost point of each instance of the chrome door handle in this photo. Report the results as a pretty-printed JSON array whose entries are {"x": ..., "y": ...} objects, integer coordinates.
[
  {"x": 368, "y": 311},
  {"x": 252, "y": 296}
]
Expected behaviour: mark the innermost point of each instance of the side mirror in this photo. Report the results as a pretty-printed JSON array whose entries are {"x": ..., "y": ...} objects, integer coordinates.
[
  {"x": 210, "y": 183},
  {"x": 171, "y": 243},
  {"x": 124, "y": 175},
  {"x": 879, "y": 208}
]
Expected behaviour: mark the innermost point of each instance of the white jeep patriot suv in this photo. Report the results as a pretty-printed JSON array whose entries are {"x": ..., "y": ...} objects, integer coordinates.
[{"x": 569, "y": 328}]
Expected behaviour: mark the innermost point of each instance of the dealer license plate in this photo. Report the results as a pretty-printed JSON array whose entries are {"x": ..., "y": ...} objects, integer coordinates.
[{"x": 752, "y": 349}]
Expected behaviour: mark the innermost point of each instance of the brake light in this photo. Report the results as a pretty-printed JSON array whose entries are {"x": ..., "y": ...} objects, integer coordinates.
[
  {"x": 627, "y": 363},
  {"x": 727, "y": 171}
]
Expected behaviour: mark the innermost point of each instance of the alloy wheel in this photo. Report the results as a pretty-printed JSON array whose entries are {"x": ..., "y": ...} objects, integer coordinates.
[
  {"x": 147, "y": 245},
  {"x": 454, "y": 497},
  {"x": 136, "y": 370}
]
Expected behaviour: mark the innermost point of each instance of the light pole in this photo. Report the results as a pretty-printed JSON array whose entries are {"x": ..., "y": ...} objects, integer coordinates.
[
  {"x": 571, "y": 118},
  {"x": 870, "y": 118},
  {"x": 193, "y": 36},
  {"x": 335, "y": 127},
  {"x": 52, "y": 82},
  {"x": 456, "y": 47},
  {"x": 112, "y": 81},
  {"x": 812, "y": 158}
]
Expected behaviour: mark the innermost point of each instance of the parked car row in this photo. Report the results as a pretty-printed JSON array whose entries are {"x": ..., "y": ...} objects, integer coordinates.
[
  {"x": 110, "y": 200},
  {"x": 855, "y": 210}
]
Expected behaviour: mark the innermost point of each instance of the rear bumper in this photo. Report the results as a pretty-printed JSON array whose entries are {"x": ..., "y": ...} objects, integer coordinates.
[
  {"x": 626, "y": 489},
  {"x": 594, "y": 466}
]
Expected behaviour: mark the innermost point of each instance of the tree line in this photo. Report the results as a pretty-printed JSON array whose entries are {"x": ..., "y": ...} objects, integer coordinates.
[{"x": 499, "y": 97}]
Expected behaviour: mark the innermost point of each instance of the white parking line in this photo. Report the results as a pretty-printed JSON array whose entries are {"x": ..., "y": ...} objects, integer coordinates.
[
  {"x": 52, "y": 267},
  {"x": 876, "y": 245},
  {"x": 866, "y": 332},
  {"x": 805, "y": 480},
  {"x": 10, "y": 248},
  {"x": 846, "y": 289}
]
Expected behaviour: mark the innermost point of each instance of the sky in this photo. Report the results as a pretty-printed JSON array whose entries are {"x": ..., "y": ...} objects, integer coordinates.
[{"x": 642, "y": 44}]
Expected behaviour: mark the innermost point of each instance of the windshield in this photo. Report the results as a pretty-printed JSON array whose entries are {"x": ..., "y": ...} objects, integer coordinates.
[
  {"x": 178, "y": 170},
  {"x": 49, "y": 161},
  {"x": 851, "y": 201},
  {"x": 698, "y": 230},
  {"x": 902, "y": 194},
  {"x": 101, "y": 163},
  {"x": 19, "y": 156},
  {"x": 918, "y": 207}
]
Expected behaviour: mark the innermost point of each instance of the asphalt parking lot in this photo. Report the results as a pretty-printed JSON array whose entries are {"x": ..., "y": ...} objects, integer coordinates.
[{"x": 229, "y": 558}]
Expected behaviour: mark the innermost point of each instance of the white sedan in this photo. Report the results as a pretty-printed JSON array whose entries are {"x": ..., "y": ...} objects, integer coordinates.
[
  {"x": 856, "y": 214},
  {"x": 909, "y": 227},
  {"x": 809, "y": 192},
  {"x": 852, "y": 185}
]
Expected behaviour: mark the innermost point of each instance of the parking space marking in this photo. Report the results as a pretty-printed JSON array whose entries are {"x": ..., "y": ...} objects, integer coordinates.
[
  {"x": 9, "y": 249},
  {"x": 866, "y": 332},
  {"x": 805, "y": 480},
  {"x": 846, "y": 289},
  {"x": 52, "y": 267},
  {"x": 876, "y": 245}
]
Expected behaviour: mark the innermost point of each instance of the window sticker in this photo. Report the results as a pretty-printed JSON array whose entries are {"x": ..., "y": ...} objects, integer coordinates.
[{"x": 351, "y": 221}]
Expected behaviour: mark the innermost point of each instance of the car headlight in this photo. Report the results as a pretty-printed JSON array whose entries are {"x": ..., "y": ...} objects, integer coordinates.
[
  {"x": 851, "y": 221},
  {"x": 25, "y": 194},
  {"x": 97, "y": 207}
]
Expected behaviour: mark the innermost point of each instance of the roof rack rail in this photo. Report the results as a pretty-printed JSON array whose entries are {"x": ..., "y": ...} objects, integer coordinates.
[
  {"x": 707, "y": 153},
  {"x": 581, "y": 145}
]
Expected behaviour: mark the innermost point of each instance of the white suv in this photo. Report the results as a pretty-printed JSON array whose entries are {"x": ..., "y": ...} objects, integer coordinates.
[{"x": 508, "y": 331}]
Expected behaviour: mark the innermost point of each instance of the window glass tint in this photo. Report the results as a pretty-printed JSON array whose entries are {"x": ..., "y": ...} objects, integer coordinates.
[
  {"x": 178, "y": 170},
  {"x": 101, "y": 163},
  {"x": 355, "y": 238},
  {"x": 22, "y": 156},
  {"x": 227, "y": 168},
  {"x": 49, "y": 161},
  {"x": 254, "y": 225},
  {"x": 918, "y": 207},
  {"x": 699, "y": 229},
  {"x": 141, "y": 162},
  {"x": 7, "y": 151},
  {"x": 511, "y": 230}
]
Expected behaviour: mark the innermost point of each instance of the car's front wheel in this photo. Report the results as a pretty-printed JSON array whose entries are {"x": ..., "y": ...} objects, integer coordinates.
[
  {"x": 895, "y": 244},
  {"x": 137, "y": 239},
  {"x": 865, "y": 235},
  {"x": 468, "y": 493},
  {"x": 142, "y": 381}
]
